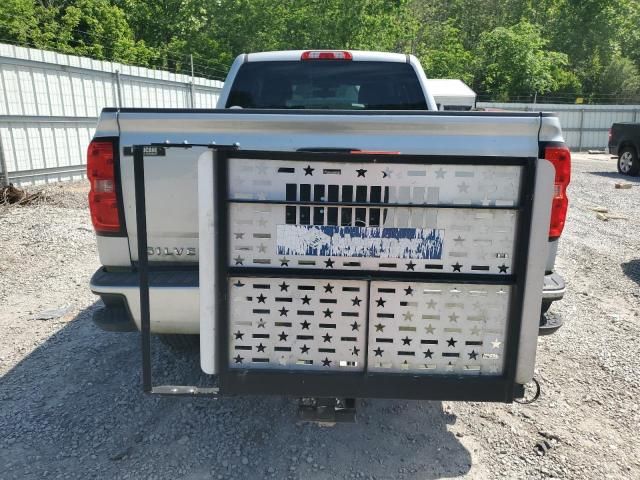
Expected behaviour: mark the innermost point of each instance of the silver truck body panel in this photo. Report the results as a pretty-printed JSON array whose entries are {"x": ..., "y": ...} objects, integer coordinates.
[{"x": 171, "y": 182}]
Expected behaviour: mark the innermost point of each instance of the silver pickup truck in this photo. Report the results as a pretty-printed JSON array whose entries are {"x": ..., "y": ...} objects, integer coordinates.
[{"x": 326, "y": 225}]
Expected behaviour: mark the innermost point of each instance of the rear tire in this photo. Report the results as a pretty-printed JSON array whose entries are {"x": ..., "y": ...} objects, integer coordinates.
[
  {"x": 628, "y": 163},
  {"x": 181, "y": 343}
]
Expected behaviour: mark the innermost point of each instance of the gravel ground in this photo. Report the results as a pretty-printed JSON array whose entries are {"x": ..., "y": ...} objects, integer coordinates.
[{"x": 71, "y": 404}]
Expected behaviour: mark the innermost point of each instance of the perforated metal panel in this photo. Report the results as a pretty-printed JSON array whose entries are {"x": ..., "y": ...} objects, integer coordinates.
[
  {"x": 297, "y": 323},
  {"x": 432, "y": 240},
  {"x": 389, "y": 182},
  {"x": 437, "y": 328},
  {"x": 380, "y": 216}
]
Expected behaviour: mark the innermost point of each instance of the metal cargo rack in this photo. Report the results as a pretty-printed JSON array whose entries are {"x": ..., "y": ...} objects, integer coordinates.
[{"x": 357, "y": 275}]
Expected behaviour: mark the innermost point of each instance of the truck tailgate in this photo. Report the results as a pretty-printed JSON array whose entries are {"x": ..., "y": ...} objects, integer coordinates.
[{"x": 172, "y": 178}]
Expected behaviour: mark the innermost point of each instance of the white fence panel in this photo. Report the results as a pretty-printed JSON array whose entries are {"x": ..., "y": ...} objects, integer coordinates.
[
  {"x": 50, "y": 103},
  {"x": 585, "y": 127}
]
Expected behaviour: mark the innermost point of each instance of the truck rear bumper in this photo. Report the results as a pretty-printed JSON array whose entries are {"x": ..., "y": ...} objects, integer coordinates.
[
  {"x": 554, "y": 288},
  {"x": 174, "y": 299}
]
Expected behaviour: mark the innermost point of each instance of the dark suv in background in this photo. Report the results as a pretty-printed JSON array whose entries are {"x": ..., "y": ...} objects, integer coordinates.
[{"x": 624, "y": 141}]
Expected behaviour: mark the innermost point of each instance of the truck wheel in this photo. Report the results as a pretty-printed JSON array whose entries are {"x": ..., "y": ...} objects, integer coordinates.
[
  {"x": 628, "y": 163},
  {"x": 181, "y": 343}
]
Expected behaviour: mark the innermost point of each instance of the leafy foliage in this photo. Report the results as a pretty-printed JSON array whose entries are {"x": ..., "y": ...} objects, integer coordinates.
[{"x": 504, "y": 48}]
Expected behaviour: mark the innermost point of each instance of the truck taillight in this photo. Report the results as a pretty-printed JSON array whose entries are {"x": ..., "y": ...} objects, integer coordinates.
[
  {"x": 560, "y": 157},
  {"x": 103, "y": 203},
  {"x": 326, "y": 55}
]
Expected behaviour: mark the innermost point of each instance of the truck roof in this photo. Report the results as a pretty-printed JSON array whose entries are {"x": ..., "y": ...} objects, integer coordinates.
[{"x": 358, "y": 56}]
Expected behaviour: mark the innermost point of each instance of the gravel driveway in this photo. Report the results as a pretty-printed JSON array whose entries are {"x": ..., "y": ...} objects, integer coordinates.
[{"x": 71, "y": 404}]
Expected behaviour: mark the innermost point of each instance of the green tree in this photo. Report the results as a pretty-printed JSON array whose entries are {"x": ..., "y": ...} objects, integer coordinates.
[
  {"x": 621, "y": 78},
  {"x": 443, "y": 54},
  {"x": 17, "y": 21},
  {"x": 513, "y": 61}
]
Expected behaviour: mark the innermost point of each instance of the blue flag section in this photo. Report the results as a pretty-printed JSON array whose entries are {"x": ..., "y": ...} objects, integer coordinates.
[{"x": 377, "y": 242}]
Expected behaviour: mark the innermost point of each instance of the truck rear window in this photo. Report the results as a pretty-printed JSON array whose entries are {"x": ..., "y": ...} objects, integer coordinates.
[{"x": 327, "y": 84}]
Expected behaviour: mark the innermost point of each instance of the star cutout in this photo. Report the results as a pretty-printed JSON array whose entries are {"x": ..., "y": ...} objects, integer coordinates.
[
  {"x": 261, "y": 323},
  {"x": 238, "y": 284},
  {"x": 283, "y": 336},
  {"x": 463, "y": 187},
  {"x": 473, "y": 355},
  {"x": 429, "y": 329},
  {"x": 431, "y": 304},
  {"x": 261, "y": 347},
  {"x": 262, "y": 222},
  {"x": 262, "y": 248},
  {"x": 329, "y": 263},
  {"x": 428, "y": 354},
  {"x": 503, "y": 268},
  {"x": 356, "y": 302},
  {"x": 475, "y": 331},
  {"x": 305, "y": 325},
  {"x": 304, "y": 349},
  {"x": 355, "y": 351},
  {"x": 239, "y": 235},
  {"x": 453, "y": 317},
  {"x": 458, "y": 239},
  {"x": 326, "y": 362},
  {"x": 238, "y": 359},
  {"x": 327, "y": 313},
  {"x": 361, "y": 172},
  {"x": 261, "y": 298},
  {"x": 327, "y": 338},
  {"x": 440, "y": 173},
  {"x": 408, "y": 291},
  {"x": 378, "y": 351},
  {"x": 408, "y": 316},
  {"x": 238, "y": 260},
  {"x": 328, "y": 288},
  {"x": 354, "y": 327},
  {"x": 379, "y": 327},
  {"x": 283, "y": 312},
  {"x": 308, "y": 170},
  {"x": 406, "y": 341},
  {"x": 284, "y": 262},
  {"x": 284, "y": 287},
  {"x": 457, "y": 267},
  {"x": 496, "y": 343},
  {"x": 381, "y": 302},
  {"x": 451, "y": 342},
  {"x": 410, "y": 265},
  {"x": 239, "y": 335},
  {"x": 386, "y": 173},
  {"x": 306, "y": 300}
]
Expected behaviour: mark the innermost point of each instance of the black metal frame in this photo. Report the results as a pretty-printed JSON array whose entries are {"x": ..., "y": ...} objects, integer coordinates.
[{"x": 502, "y": 388}]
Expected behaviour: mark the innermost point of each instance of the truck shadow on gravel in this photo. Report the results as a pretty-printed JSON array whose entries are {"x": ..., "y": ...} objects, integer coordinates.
[
  {"x": 632, "y": 270},
  {"x": 74, "y": 407},
  {"x": 617, "y": 176}
]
